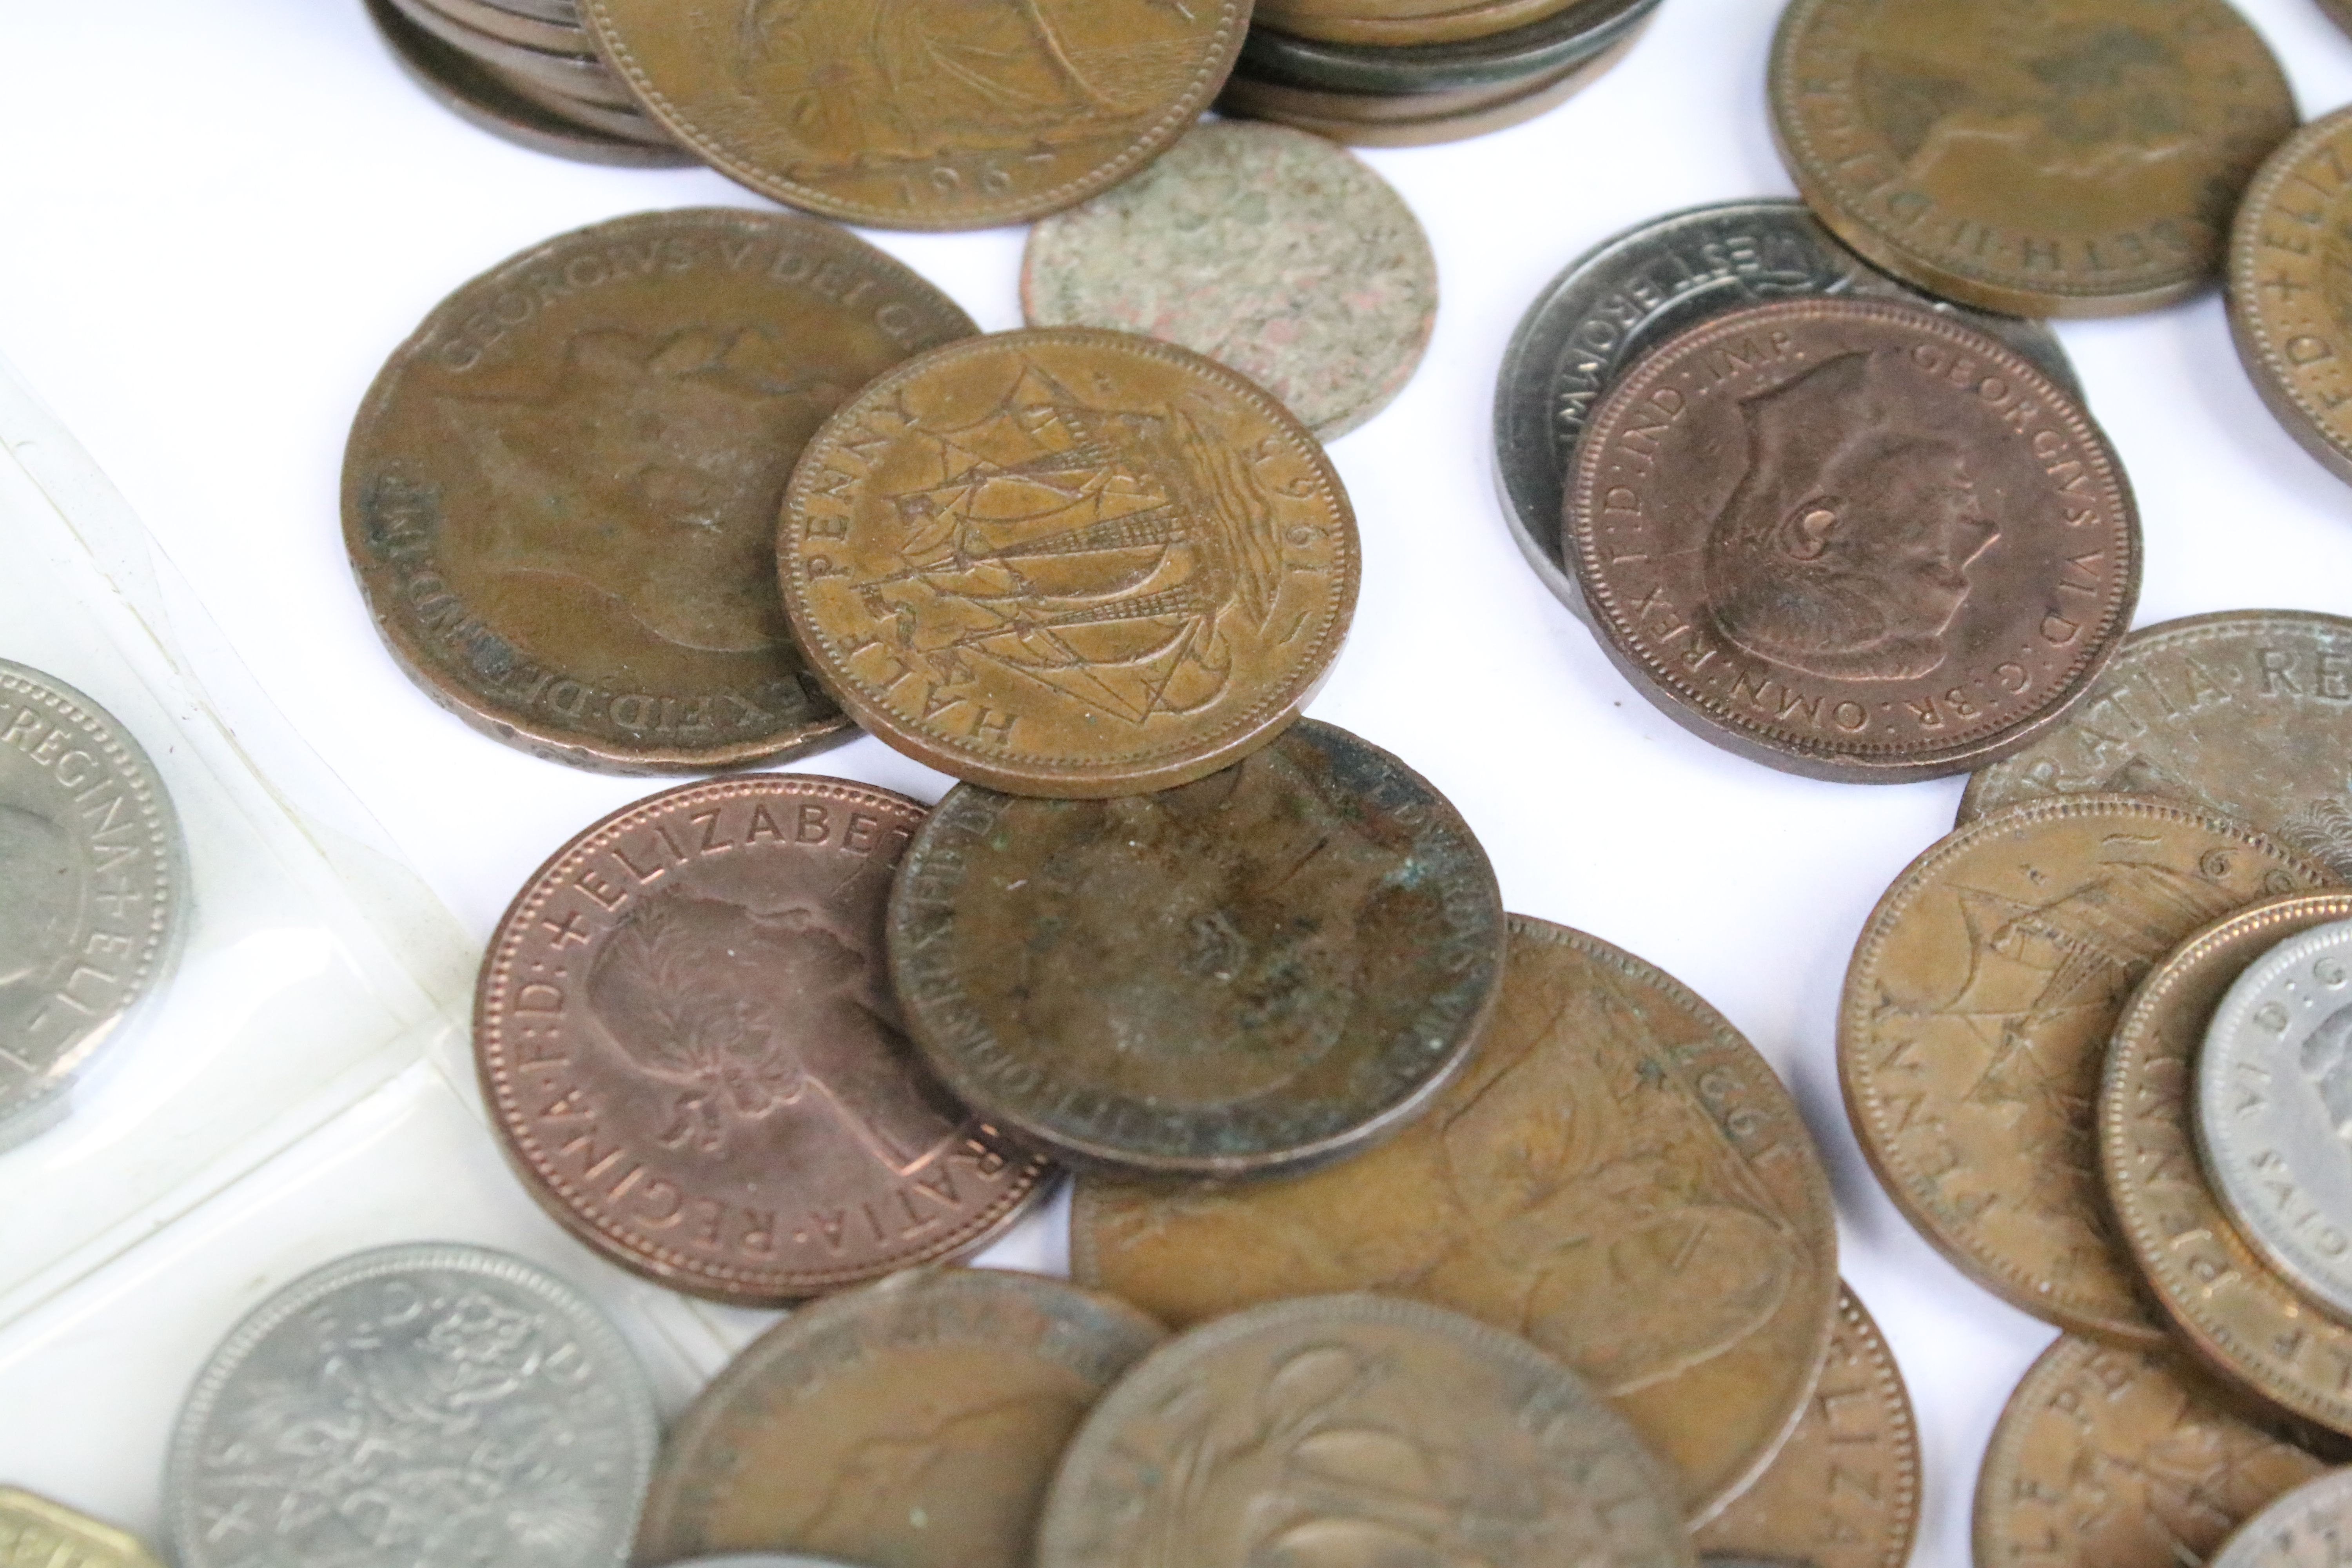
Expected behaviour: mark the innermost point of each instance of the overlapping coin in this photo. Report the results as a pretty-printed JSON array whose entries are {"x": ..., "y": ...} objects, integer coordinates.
[
  {"x": 1401, "y": 22},
  {"x": 2289, "y": 256},
  {"x": 2307, "y": 1528},
  {"x": 35, "y": 1531}
]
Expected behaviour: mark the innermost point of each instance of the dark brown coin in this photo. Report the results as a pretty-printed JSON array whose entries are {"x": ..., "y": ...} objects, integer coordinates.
[
  {"x": 1617, "y": 1175},
  {"x": 1843, "y": 1490},
  {"x": 2080, "y": 158},
  {"x": 1260, "y": 971},
  {"x": 2238, "y": 1315},
  {"x": 1854, "y": 539},
  {"x": 1069, "y": 562},
  {"x": 923, "y": 113},
  {"x": 2119, "y": 1459},
  {"x": 559, "y": 496},
  {"x": 1974, "y": 1023},
  {"x": 687, "y": 1038},
  {"x": 912, "y": 1424}
]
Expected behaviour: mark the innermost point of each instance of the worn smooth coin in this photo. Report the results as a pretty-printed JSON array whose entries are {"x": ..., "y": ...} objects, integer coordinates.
[
  {"x": 1843, "y": 1490},
  {"x": 2245, "y": 714},
  {"x": 1852, "y": 538},
  {"x": 1622, "y": 298},
  {"x": 1068, "y": 562},
  {"x": 1357, "y": 1429},
  {"x": 1262, "y": 247},
  {"x": 2222, "y": 1299},
  {"x": 1974, "y": 1023},
  {"x": 97, "y": 894},
  {"x": 560, "y": 495},
  {"x": 1261, "y": 969},
  {"x": 688, "y": 1042},
  {"x": 429, "y": 1403},
  {"x": 919, "y": 114},
  {"x": 2082, "y": 158},
  {"x": 913, "y": 1424},
  {"x": 2275, "y": 1110},
  {"x": 1617, "y": 1175},
  {"x": 1521, "y": 57},
  {"x": 2307, "y": 1528},
  {"x": 36, "y": 1532},
  {"x": 2290, "y": 285},
  {"x": 2117, "y": 1459}
]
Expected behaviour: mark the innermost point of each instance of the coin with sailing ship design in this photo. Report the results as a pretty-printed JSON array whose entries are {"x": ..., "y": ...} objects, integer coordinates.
[
  {"x": 1974, "y": 1023},
  {"x": 1616, "y": 1176},
  {"x": 1068, "y": 562}
]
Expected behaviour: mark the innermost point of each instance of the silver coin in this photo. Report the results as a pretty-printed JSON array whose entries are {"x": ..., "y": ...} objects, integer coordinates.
[
  {"x": 2307, "y": 1528},
  {"x": 2275, "y": 1110},
  {"x": 96, "y": 882},
  {"x": 433, "y": 1405},
  {"x": 1624, "y": 297},
  {"x": 1275, "y": 252}
]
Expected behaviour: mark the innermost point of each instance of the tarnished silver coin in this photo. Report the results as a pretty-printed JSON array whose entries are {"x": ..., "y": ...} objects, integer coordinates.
[
  {"x": 2245, "y": 714},
  {"x": 1629, "y": 294},
  {"x": 93, "y": 889},
  {"x": 2275, "y": 1110},
  {"x": 432, "y": 1405},
  {"x": 1358, "y": 1429},
  {"x": 2310, "y": 1527},
  {"x": 1274, "y": 252}
]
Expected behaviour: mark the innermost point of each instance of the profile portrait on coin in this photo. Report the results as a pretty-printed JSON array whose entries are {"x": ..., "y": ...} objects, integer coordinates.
[{"x": 1843, "y": 549}]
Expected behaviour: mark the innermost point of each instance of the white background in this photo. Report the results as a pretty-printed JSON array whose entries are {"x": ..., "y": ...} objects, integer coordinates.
[{"x": 221, "y": 214}]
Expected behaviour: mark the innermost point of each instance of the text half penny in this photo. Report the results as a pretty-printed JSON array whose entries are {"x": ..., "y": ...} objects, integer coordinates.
[
  {"x": 2081, "y": 159},
  {"x": 1617, "y": 1175},
  {"x": 1843, "y": 1490},
  {"x": 2245, "y": 714},
  {"x": 2222, "y": 1300},
  {"x": 1974, "y": 1022},
  {"x": 560, "y": 495},
  {"x": 913, "y": 1424},
  {"x": 688, "y": 1040},
  {"x": 2290, "y": 285},
  {"x": 1069, "y": 562},
  {"x": 923, "y": 113},
  {"x": 1853, "y": 539},
  {"x": 1357, "y": 1429},
  {"x": 1261, "y": 969},
  {"x": 2108, "y": 1458}
]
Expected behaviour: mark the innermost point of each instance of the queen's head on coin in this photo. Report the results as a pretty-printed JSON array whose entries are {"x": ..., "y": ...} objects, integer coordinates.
[{"x": 1843, "y": 549}]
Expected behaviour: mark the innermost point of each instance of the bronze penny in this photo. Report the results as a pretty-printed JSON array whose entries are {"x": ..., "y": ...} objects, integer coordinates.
[
  {"x": 1617, "y": 1175},
  {"x": 1068, "y": 562},
  {"x": 572, "y": 75},
  {"x": 2245, "y": 714},
  {"x": 689, "y": 1045},
  {"x": 1854, "y": 539},
  {"x": 2222, "y": 1299},
  {"x": 484, "y": 16},
  {"x": 1261, "y": 970},
  {"x": 912, "y": 1424},
  {"x": 923, "y": 113},
  {"x": 2108, "y": 1458},
  {"x": 626, "y": 123},
  {"x": 1843, "y": 1492},
  {"x": 2076, "y": 158},
  {"x": 1357, "y": 1430},
  {"x": 1974, "y": 1023},
  {"x": 2291, "y": 288},
  {"x": 560, "y": 495}
]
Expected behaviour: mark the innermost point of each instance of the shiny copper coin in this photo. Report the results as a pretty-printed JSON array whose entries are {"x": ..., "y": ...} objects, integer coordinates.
[
  {"x": 1262, "y": 970},
  {"x": 2078, "y": 158},
  {"x": 1068, "y": 562},
  {"x": 560, "y": 495},
  {"x": 1975, "y": 1025},
  {"x": 687, "y": 1042},
  {"x": 2221, "y": 1298},
  {"x": 1357, "y": 1430},
  {"x": 923, "y": 113},
  {"x": 2108, "y": 1458},
  {"x": 1854, "y": 539},
  {"x": 2291, "y": 288},
  {"x": 1405, "y": 23},
  {"x": 1617, "y": 1175},
  {"x": 912, "y": 1424},
  {"x": 1843, "y": 1490}
]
